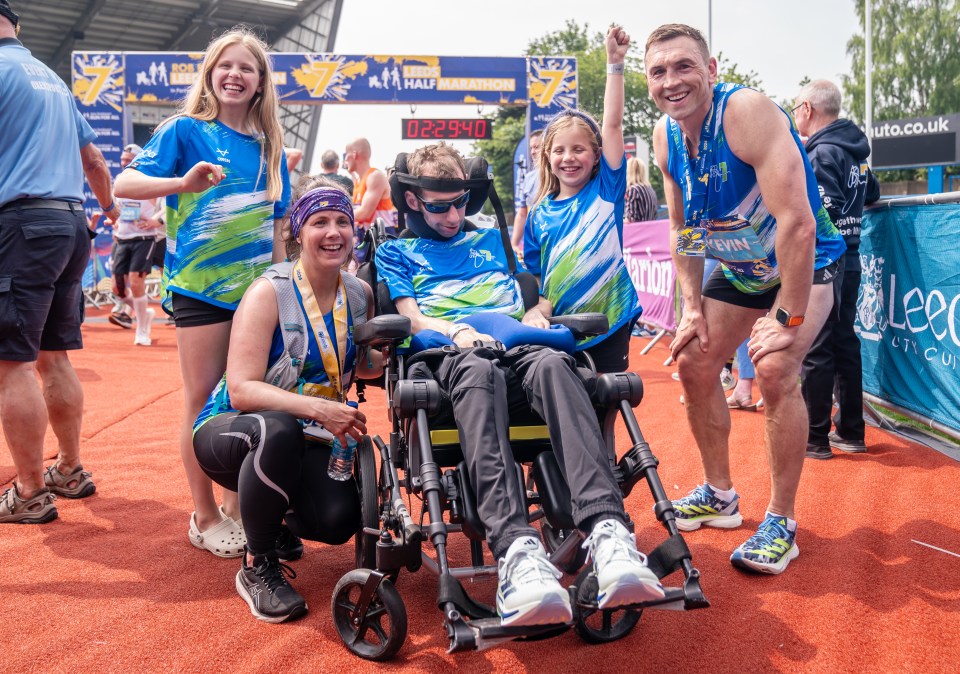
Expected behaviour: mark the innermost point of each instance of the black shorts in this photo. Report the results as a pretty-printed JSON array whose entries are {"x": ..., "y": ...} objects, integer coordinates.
[
  {"x": 189, "y": 312},
  {"x": 43, "y": 254},
  {"x": 158, "y": 251},
  {"x": 132, "y": 256},
  {"x": 613, "y": 353},
  {"x": 720, "y": 289}
]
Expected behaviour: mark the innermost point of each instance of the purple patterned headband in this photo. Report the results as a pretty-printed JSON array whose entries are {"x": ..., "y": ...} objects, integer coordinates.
[{"x": 320, "y": 199}]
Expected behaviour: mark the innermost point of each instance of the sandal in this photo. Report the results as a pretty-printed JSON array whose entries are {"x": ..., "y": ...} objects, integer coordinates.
[
  {"x": 740, "y": 404},
  {"x": 75, "y": 485},
  {"x": 225, "y": 539}
]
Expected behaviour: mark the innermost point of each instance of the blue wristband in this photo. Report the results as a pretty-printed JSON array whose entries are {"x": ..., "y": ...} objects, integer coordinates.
[{"x": 109, "y": 208}]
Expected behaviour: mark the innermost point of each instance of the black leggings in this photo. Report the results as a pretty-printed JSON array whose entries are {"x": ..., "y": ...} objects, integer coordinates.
[{"x": 279, "y": 476}]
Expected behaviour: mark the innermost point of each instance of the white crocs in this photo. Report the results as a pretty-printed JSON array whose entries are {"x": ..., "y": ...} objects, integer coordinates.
[{"x": 225, "y": 539}]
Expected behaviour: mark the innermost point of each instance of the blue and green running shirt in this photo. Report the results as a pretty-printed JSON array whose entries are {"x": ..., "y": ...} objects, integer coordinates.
[
  {"x": 451, "y": 279},
  {"x": 575, "y": 246},
  {"x": 741, "y": 233},
  {"x": 221, "y": 239},
  {"x": 315, "y": 378}
]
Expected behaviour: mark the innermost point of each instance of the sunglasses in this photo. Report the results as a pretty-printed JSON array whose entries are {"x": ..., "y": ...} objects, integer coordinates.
[{"x": 440, "y": 207}]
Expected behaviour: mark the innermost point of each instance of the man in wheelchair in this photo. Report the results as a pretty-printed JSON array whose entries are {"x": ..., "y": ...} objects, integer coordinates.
[{"x": 446, "y": 275}]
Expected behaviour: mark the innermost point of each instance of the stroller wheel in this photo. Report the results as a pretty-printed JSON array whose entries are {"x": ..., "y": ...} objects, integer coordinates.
[
  {"x": 380, "y": 632},
  {"x": 593, "y": 625},
  {"x": 553, "y": 539},
  {"x": 365, "y": 469}
]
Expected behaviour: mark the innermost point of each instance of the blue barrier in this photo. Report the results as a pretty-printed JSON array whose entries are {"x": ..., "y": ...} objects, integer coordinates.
[{"x": 908, "y": 307}]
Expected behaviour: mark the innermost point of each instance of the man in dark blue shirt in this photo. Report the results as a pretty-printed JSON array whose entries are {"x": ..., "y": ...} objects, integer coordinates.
[
  {"x": 838, "y": 152},
  {"x": 44, "y": 249}
]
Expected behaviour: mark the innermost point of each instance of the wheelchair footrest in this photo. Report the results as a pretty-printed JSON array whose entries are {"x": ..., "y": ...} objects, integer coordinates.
[
  {"x": 668, "y": 556},
  {"x": 482, "y": 634},
  {"x": 452, "y": 592}
]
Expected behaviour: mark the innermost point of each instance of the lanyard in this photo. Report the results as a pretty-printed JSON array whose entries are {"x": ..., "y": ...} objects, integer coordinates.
[
  {"x": 695, "y": 185},
  {"x": 696, "y": 202},
  {"x": 332, "y": 361}
]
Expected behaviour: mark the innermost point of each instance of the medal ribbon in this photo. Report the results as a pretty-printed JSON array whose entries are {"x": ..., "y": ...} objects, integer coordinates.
[{"x": 332, "y": 360}]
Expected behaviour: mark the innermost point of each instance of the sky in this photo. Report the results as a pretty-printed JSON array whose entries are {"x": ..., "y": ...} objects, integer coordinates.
[{"x": 782, "y": 42}]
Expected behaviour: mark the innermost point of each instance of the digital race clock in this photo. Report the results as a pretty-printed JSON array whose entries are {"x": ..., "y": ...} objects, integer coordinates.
[{"x": 447, "y": 129}]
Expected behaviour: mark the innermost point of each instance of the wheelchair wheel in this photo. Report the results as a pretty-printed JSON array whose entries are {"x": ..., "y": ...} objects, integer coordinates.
[
  {"x": 553, "y": 538},
  {"x": 367, "y": 478},
  {"x": 382, "y": 631},
  {"x": 593, "y": 625}
]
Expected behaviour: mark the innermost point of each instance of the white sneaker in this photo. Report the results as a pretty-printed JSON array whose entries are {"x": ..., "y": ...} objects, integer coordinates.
[
  {"x": 143, "y": 331},
  {"x": 528, "y": 592},
  {"x": 727, "y": 380},
  {"x": 622, "y": 573}
]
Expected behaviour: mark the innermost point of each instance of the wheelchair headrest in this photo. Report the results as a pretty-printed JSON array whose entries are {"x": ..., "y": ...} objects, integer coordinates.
[{"x": 477, "y": 182}]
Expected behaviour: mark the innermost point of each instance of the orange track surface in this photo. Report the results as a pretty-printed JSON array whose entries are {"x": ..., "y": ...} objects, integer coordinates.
[{"x": 114, "y": 585}]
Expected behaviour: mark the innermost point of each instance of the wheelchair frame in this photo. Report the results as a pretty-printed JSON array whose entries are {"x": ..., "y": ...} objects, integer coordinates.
[{"x": 390, "y": 540}]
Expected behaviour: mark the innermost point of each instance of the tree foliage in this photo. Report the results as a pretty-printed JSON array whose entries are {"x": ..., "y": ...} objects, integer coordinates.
[
  {"x": 916, "y": 64},
  {"x": 640, "y": 114}
]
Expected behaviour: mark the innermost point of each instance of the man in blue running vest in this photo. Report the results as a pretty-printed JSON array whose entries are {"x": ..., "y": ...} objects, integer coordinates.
[{"x": 740, "y": 189}]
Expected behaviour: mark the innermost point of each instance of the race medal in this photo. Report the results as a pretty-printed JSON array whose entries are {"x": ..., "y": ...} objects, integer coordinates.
[{"x": 692, "y": 242}]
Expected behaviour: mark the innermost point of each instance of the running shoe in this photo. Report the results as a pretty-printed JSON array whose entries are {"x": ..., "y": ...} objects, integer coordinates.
[
  {"x": 120, "y": 319},
  {"x": 703, "y": 506},
  {"x": 727, "y": 380},
  {"x": 770, "y": 549},
  {"x": 622, "y": 573},
  {"x": 818, "y": 452},
  {"x": 265, "y": 588},
  {"x": 528, "y": 592},
  {"x": 851, "y": 446}
]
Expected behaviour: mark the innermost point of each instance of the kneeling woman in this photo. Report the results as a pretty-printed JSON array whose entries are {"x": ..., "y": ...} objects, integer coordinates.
[{"x": 250, "y": 435}]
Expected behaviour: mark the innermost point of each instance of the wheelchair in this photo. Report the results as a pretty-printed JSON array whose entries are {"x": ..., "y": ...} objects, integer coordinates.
[{"x": 425, "y": 462}]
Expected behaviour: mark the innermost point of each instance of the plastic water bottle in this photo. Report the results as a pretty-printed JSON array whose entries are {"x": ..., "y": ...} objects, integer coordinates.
[{"x": 340, "y": 467}]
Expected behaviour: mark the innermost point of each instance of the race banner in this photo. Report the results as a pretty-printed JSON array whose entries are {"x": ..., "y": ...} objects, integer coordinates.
[
  {"x": 646, "y": 251},
  {"x": 337, "y": 78},
  {"x": 98, "y": 86},
  {"x": 908, "y": 308},
  {"x": 553, "y": 87}
]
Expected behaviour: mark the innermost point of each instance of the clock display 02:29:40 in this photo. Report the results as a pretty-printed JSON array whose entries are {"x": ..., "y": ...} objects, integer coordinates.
[{"x": 447, "y": 129}]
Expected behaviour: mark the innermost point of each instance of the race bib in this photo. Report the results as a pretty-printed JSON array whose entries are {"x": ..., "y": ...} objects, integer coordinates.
[{"x": 130, "y": 212}]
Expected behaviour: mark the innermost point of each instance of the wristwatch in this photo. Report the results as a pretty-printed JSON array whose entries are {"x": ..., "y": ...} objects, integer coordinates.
[{"x": 787, "y": 320}]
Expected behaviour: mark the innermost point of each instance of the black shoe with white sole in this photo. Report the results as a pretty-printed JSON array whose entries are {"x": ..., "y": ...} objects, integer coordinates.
[
  {"x": 265, "y": 589},
  {"x": 289, "y": 545}
]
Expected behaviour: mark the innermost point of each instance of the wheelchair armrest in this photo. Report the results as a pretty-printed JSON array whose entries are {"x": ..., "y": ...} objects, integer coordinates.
[
  {"x": 382, "y": 329},
  {"x": 583, "y": 325}
]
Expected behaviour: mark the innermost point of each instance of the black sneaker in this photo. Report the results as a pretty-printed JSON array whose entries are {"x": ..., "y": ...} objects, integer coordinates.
[
  {"x": 851, "y": 446},
  {"x": 266, "y": 591},
  {"x": 289, "y": 545},
  {"x": 818, "y": 452},
  {"x": 121, "y": 319}
]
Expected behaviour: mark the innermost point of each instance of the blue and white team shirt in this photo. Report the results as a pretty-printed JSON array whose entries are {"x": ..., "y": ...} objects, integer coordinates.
[
  {"x": 740, "y": 231},
  {"x": 219, "y": 240},
  {"x": 315, "y": 379},
  {"x": 452, "y": 279},
  {"x": 40, "y": 130},
  {"x": 575, "y": 246}
]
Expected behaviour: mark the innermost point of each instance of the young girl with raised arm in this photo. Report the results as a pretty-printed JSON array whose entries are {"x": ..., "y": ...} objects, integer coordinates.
[{"x": 574, "y": 236}]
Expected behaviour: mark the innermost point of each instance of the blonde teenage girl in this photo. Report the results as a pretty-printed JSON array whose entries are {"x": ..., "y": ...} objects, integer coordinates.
[{"x": 221, "y": 167}]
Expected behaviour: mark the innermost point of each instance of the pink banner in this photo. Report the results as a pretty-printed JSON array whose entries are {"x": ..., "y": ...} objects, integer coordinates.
[{"x": 646, "y": 250}]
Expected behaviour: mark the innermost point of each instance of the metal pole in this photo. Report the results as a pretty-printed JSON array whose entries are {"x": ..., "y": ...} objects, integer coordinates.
[
  {"x": 868, "y": 64},
  {"x": 710, "y": 26}
]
